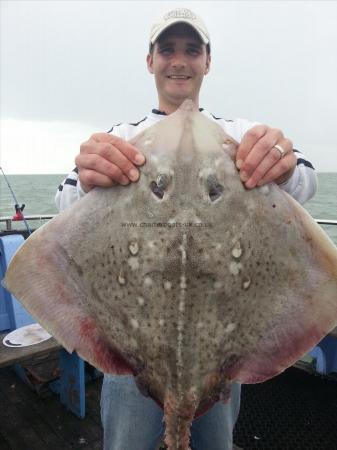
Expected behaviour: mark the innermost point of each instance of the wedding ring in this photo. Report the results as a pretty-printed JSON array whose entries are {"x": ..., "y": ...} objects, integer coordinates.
[{"x": 281, "y": 150}]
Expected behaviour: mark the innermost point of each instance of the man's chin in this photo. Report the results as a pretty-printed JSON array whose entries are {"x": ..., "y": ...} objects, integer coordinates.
[{"x": 178, "y": 99}]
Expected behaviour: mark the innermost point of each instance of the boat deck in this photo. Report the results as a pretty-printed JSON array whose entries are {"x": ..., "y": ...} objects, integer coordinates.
[
  {"x": 38, "y": 422},
  {"x": 295, "y": 410}
]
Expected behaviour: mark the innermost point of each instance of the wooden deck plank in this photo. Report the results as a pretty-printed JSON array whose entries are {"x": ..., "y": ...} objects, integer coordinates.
[
  {"x": 4, "y": 444},
  {"x": 11, "y": 418},
  {"x": 13, "y": 388},
  {"x": 92, "y": 401},
  {"x": 24, "y": 438},
  {"x": 47, "y": 435},
  {"x": 3, "y": 398},
  {"x": 16, "y": 418},
  {"x": 62, "y": 422},
  {"x": 95, "y": 446},
  {"x": 53, "y": 427}
]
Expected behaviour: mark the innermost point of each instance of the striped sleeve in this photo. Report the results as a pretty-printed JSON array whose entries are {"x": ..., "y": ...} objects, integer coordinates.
[
  {"x": 69, "y": 191},
  {"x": 302, "y": 185}
]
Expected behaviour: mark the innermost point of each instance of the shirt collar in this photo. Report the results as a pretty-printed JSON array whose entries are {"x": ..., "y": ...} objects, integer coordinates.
[{"x": 162, "y": 113}]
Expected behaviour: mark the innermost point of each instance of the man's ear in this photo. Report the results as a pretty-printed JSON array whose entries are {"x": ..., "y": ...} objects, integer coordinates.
[
  {"x": 149, "y": 61},
  {"x": 208, "y": 64}
]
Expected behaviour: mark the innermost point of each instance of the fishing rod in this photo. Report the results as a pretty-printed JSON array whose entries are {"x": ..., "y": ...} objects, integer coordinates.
[{"x": 16, "y": 201}]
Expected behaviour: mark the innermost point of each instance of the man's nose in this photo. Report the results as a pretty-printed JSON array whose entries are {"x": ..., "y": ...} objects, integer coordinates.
[{"x": 179, "y": 62}]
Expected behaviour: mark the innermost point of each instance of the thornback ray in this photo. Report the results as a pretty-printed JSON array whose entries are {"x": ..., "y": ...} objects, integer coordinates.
[{"x": 185, "y": 279}]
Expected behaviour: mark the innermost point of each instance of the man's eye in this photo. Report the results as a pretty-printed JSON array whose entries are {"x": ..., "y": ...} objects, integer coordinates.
[
  {"x": 193, "y": 51},
  {"x": 165, "y": 50}
]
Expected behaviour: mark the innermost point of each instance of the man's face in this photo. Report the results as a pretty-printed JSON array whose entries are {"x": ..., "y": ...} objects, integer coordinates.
[{"x": 179, "y": 62}]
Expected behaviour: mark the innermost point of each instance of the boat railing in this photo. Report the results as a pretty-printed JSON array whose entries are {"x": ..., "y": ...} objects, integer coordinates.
[
  {"x": 9, "y": 220},
  {"x": 326, "y": 222}
]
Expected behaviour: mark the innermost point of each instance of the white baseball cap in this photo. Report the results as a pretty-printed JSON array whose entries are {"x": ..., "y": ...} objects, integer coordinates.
[{"x": 179, "y": 15}]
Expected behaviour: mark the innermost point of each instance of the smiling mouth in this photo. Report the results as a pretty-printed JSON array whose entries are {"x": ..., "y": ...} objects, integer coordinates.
[{"x": 178, "y": 77}]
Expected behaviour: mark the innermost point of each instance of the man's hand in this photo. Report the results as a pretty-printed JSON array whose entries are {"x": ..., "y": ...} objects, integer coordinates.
[
  {"x": 106, "y": 160},
  {"x": 258, "y": 159}
]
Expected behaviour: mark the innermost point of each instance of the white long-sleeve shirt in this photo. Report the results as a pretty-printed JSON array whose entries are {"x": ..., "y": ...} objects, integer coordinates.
[{"x": 301, "y": 185}]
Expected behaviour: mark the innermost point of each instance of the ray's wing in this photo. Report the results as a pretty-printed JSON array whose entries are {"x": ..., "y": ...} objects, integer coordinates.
[
  {"x": 302, "y": 314},
  {"x": 47, "y": 276}
]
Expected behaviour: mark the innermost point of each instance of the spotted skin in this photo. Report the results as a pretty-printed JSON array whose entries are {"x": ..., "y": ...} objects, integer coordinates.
[{"x": 184, "y": 279}]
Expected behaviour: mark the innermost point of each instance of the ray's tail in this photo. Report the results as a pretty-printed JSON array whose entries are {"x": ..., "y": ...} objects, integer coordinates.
[{"x": 178, "y": 417}]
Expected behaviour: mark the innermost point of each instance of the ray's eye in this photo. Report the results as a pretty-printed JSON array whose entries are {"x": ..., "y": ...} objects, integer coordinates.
[
  {"x": 158, "y": 192},
  {"x": 215, "y": 189},
  {"x": 158, "y": 187}
]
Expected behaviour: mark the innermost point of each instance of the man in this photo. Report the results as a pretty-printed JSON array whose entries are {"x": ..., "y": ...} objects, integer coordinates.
[{"x": 179, "y": 58}]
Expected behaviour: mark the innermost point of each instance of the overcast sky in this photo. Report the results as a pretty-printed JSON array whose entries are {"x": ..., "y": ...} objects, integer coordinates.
[{"x": 71, "y": 68}]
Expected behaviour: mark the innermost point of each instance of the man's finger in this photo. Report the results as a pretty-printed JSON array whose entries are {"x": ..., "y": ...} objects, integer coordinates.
[
  {"x": 129, "y": 150},
  {"x": 260, "y": 150},
  {"x": 116, "y": 157},
  {"x": 90, "y": 178},
  {"x": 248, "y": 141},
  {"x": 95, "y": 163},
  {"x": 271, "y": 158},
  {"x": 277, "y": 173}
]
